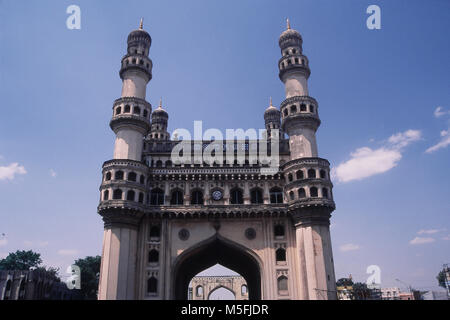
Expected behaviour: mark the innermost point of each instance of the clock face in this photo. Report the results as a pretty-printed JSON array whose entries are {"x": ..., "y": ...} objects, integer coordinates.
[{"x": 217, "y": 195}]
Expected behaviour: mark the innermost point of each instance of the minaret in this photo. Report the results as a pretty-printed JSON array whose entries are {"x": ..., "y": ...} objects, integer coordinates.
[
  {"x": 308, "y": 187},
  {"x": 158, "y": 129},
  {"x": 131, "y": 117},
  {"x": 271, "y": 119},
  {"x": 123, "y": 187}
]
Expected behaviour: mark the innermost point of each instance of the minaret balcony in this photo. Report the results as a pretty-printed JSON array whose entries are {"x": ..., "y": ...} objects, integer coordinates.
[
  {"x": 302, "y": 110},
  {"x": 107, "y": 206},
  {"x": 312, "y": 203},
  {"x": 137, "y": 62},
  {"x": 292, "y": 64},
  {"x": 132, "y": 106},
  {"x": 130, "y": 121}
]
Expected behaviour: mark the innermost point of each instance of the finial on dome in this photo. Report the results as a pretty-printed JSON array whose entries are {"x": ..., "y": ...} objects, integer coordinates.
[
  {"x": 288, "y": 23},
  {"x": 160, "y": 103},
  {"x": 141, "y": 24},
  {"x": 271, "y": 101}
]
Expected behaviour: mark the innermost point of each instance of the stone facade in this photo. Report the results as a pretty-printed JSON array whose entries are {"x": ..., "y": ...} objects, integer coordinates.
[
  {"x": 33, "y": 285},
  {"x": 166, "y": 221}
]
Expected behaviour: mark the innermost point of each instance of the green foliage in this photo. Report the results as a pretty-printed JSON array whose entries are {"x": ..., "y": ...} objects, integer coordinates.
[
  {"x": 361, "y": 292},
  {"x": 344, "y": 282},
  {"x": 90, "y": 271},
  {"x": 441, "y": 279},
  {"x": 21, "y": 260}
]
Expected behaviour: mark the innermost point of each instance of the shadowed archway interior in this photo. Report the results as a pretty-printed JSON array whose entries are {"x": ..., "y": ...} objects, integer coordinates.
[{"x": 213, "y": 251}]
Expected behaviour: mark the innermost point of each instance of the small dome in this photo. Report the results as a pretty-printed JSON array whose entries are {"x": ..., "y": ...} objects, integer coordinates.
[
  {"x": 160, "y": 112},
  {"x": 139, "y": 34},
  {"x": 271, "y": 109},
  {"x": 290, "y": 37}
]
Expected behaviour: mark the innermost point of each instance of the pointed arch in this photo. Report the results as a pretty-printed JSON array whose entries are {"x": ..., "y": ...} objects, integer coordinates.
[{"x": 211, "y": 251}]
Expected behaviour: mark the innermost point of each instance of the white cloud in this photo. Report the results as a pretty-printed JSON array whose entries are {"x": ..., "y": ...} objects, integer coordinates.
[
  {"x": 439, "y": 112},
  {"x": 35, "y": 244},
  {"x": 9, "y": 172},
  {"x": 445, "y": 142},
  {"x": 420, "y": 240},
  {"x": 447, "y": 238},
  {"x": 52, "y": 173},
  {"x": 67, "y": 252},
  {"x": 349, "y": 247},
  {"x": 429, "y": 231},
  {"x": 366, "y": 162},
  {"x": 402, "y": 139},
  {"x": 3, "y": 242}
]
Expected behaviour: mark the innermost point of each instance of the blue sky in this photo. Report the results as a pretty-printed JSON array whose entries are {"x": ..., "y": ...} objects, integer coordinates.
[{"x": 379, "y": 93}]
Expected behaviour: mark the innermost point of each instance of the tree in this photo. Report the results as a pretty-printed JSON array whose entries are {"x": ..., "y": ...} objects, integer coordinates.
[
  {"x": 361, "y": 292},
  {"x": 441, "y": 279},
  {"x": 90, "y": 271},
  {"x": 344, "y": 282},
  {"x": 21, "y": 260}
]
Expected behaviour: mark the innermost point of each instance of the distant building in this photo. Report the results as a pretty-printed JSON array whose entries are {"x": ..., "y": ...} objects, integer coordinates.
[
  {"x": 202, "y": 287},
  {"x": 33, "y": 285},
  {"x": 345, "y": 292},
  {"x": 435, "y": 295},
  {"x": 406, "y": 296},
  {"x": 390, "y": 293}
]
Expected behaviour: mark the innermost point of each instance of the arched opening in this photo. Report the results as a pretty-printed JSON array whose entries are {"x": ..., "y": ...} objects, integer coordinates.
[
  {"x": 236, "y": 196},
  {"x": 256, "y": 196},
  {"x": 221, "y": 293},
  {"x": 152, "y": 285},
  {"x": 325, "y": 193},
  {"x": 155, "y": 233},
  {"x": 22, "y": 290},
  {"x": 176, "y": 197},
  {"x": 276, "y": 195},
  {"x": 197, "y": 197},
  {"x": 279, "y": 230},
  {"x": 301, "y": 193},
  {"x": 199, "y": 291},
  {"x": 280, "y": 255},
  {"x": 106, "y": 195},
  {"x": 323, "y": 174},
  {"x": 132, "y": 176},
  {"x": 299, "y": 174},
  {"x": 282, "y": 284},
  {"x": 130, "y": 195},
  {"x": 153, "y": 256},
  {"x": 313, "y": 192},
  {"x": 244, "y": 290},
  {"x": 118, "y": 175},
  {"x": 117, "y": 195},
  {"x": 108, "y": 176},
  {"x": 216, "y": 250},
  {"x": 7, "y": 294},
  {"x": 156, "y": 197},
  {"x": 291, "y": 195},
  {"x": 311, "y": 173}
]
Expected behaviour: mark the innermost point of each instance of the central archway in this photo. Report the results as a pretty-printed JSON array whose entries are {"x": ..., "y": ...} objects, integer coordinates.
[
  {"x": 216, "y": 293},
  {"x": 210, "y": 252}
]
